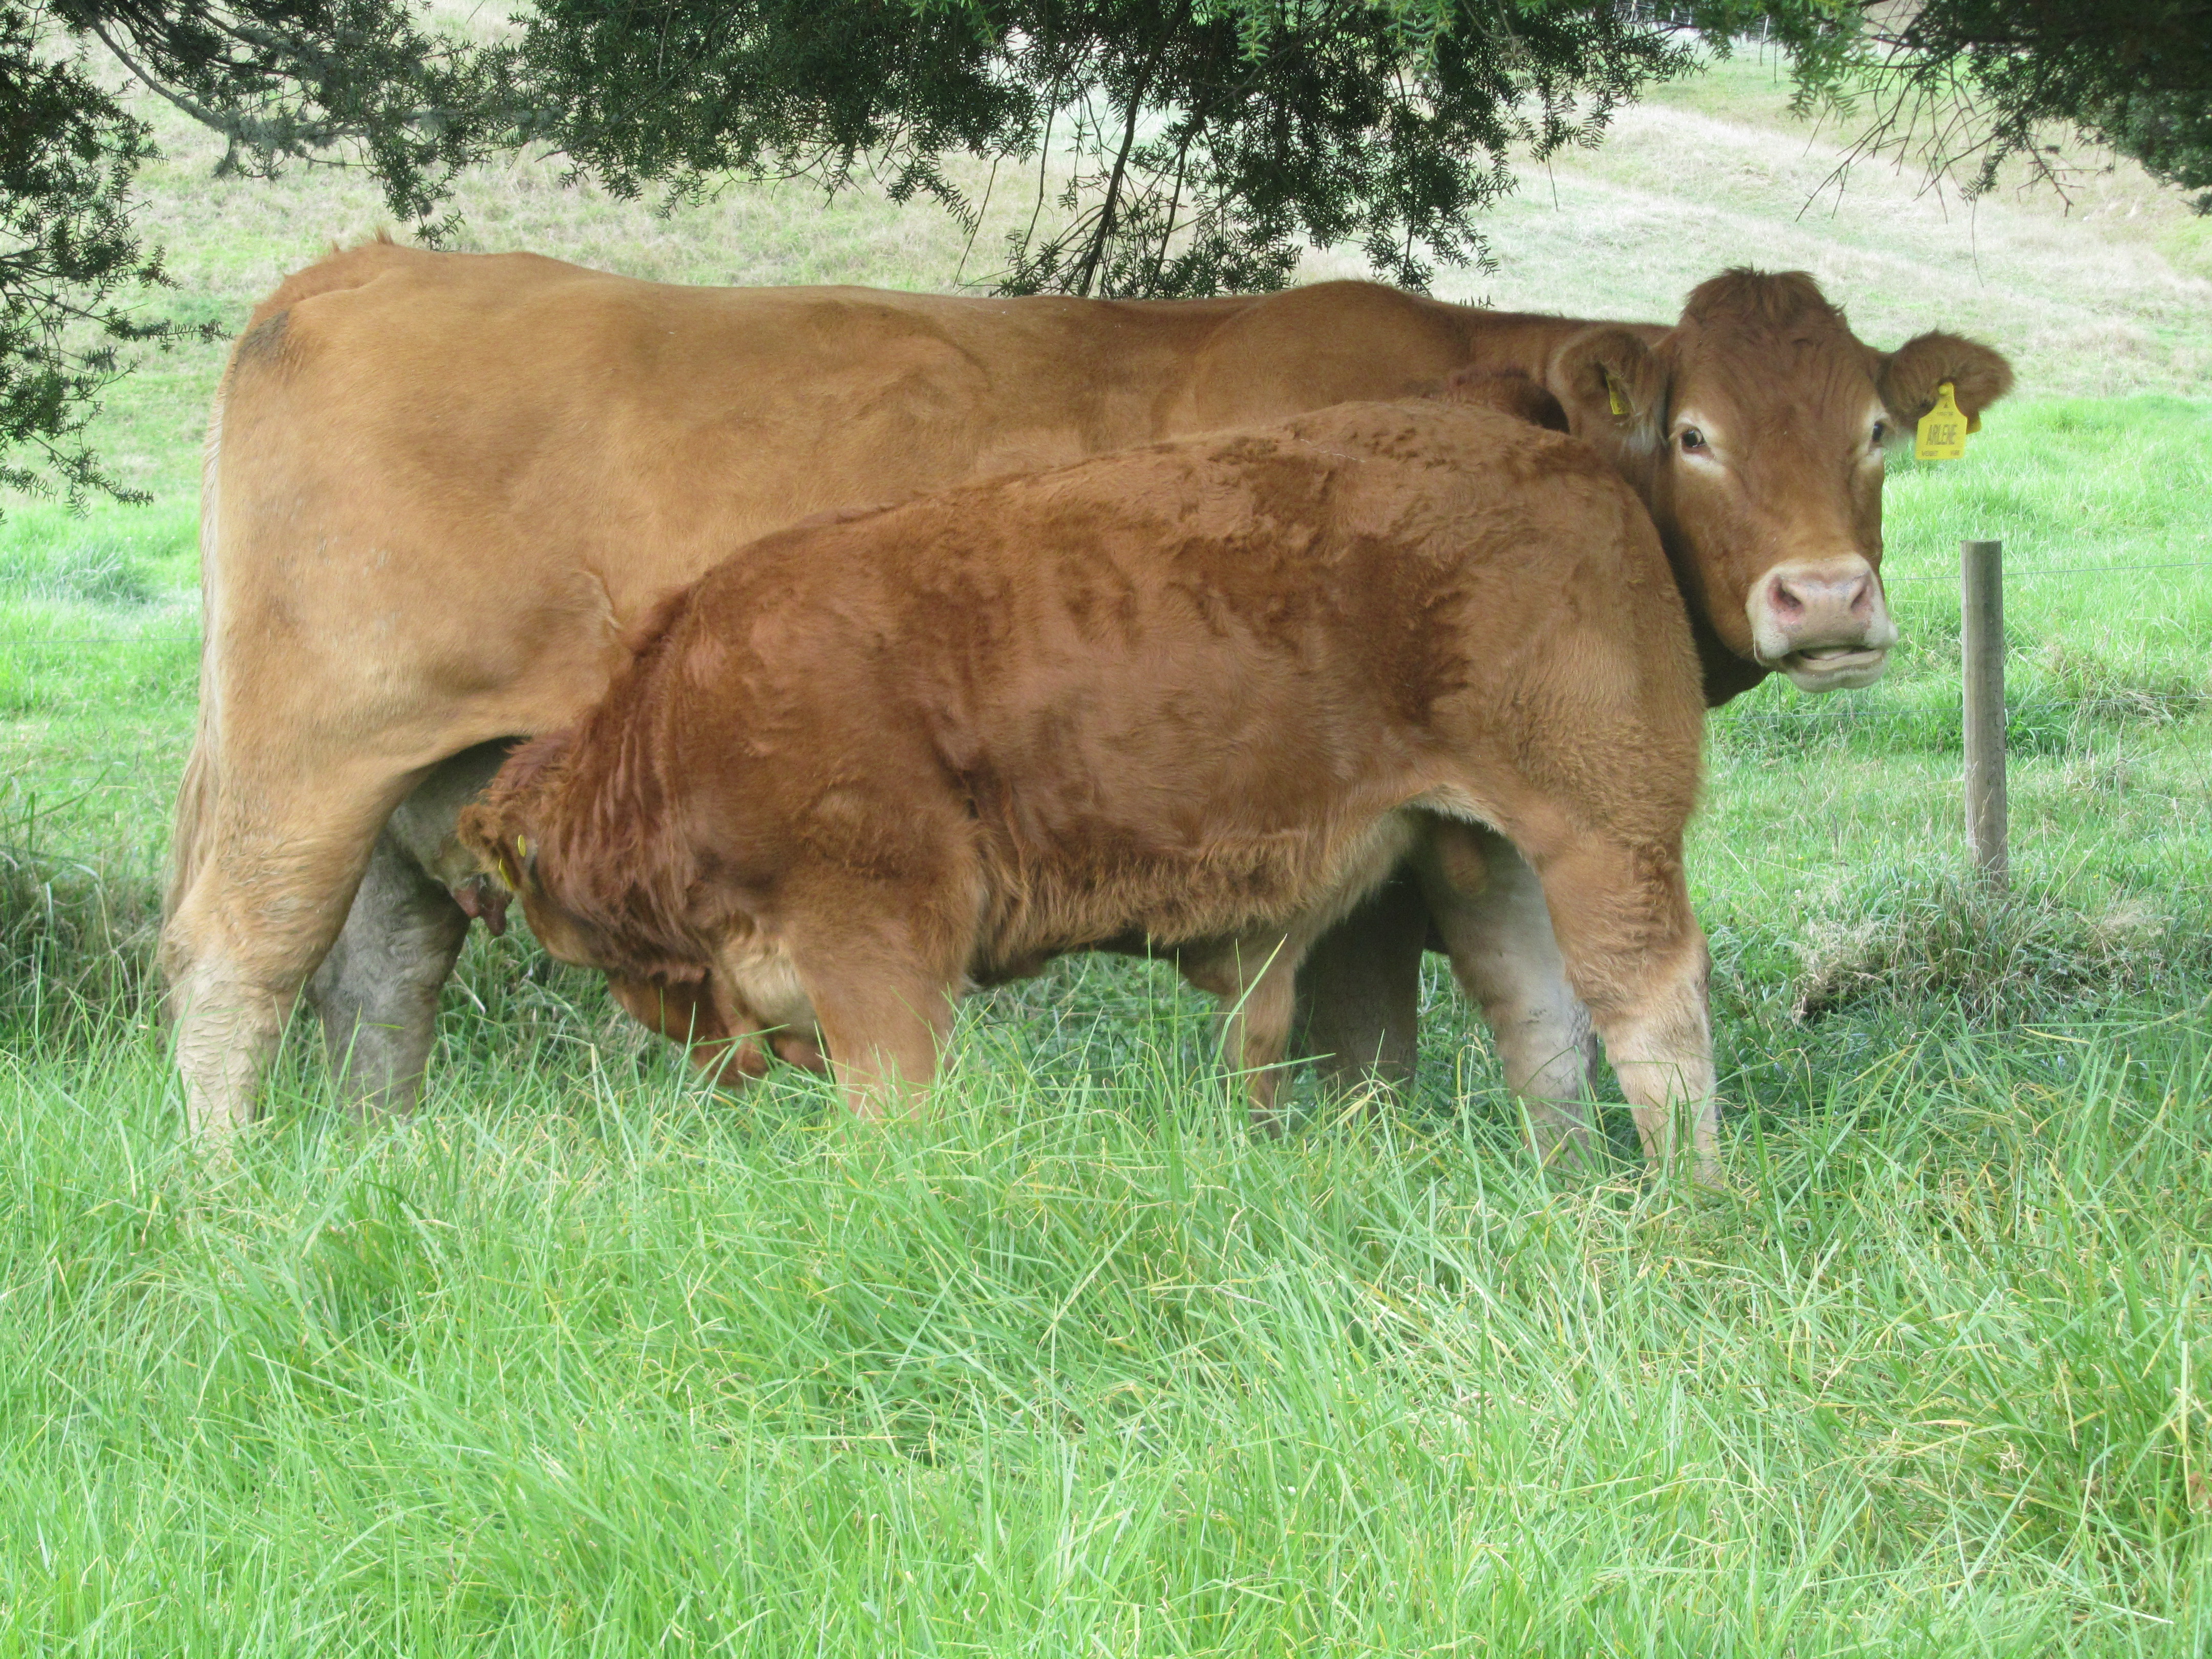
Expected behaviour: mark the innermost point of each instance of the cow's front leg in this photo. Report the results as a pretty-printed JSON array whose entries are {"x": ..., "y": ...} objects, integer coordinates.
[
  {"x": 1489, "y": 907},
  {"x": 1359, "y": 992}
]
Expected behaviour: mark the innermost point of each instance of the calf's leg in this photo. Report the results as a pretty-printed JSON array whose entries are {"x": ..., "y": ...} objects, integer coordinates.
[
  {"x": 1635, "y": 955},
  {"x": 689, "y": 1015},
  {"x": 721, "y": 1037},
  {"x": 1256, "y": 980},
  {"x": 881, "y": 964},
  {"x": 1489, "y": 906}
]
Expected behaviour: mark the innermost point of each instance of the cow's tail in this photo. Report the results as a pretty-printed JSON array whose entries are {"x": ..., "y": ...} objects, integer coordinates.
[
  {"x": 196, "y": 793},
  {"x": 195, "y": 805}
]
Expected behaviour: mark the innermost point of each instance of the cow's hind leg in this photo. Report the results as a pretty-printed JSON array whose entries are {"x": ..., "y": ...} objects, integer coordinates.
[
  {"x": 1489, "y": 906},
  {"x": 257, "y": 912},
  {"x": 377, "y": 990}
]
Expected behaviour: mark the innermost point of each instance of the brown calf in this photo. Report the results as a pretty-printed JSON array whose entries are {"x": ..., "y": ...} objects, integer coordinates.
[{"x": 1209, "y": 692}]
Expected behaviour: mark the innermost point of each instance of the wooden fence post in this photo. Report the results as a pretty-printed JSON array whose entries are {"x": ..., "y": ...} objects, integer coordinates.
[{"x": 1981, "y": 638}]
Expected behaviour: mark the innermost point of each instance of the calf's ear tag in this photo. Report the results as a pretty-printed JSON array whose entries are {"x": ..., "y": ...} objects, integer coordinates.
[
  {"x": 511, "y": 868},
  {"x": 1942, "y": 433},
  {"x": 1613, "y": 396}
]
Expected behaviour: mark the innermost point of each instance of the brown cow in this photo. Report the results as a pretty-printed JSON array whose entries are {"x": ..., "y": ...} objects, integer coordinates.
[
  {"x": 440, "y": 489},
  {"x": 1209, "y": 692}
]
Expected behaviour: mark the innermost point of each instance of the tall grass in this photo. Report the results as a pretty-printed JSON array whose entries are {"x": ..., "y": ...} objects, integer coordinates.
[
  {"x": 586, "y": 1362},
  {"x": 77, "y": 936}
]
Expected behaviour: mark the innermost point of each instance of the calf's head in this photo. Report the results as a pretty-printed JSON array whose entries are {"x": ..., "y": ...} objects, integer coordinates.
[
  {"x": 594, "y": 898},
  {"x": 1755, "y": 429},
  {"x": 541, "y": 831}
]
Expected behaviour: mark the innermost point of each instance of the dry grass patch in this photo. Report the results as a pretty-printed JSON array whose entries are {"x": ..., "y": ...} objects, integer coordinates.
[{"x": 1949, "y": 941}]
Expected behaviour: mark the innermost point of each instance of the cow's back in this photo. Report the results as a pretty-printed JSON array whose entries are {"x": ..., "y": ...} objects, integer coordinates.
[{"x": 485, "y": 467}]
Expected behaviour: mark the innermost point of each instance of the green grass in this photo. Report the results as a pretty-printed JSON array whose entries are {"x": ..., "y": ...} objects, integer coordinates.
[
  {"x": 584, "y": 1360},
  {"x": 585, "y": 1363}
]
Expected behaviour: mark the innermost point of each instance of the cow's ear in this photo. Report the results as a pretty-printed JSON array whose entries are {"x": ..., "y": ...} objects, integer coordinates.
[
  {"x": 1610, "y": 383},
  {"x": 1911, "y": 373}
]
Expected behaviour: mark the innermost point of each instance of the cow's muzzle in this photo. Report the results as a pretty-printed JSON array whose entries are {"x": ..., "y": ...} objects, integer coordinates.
[{"x": 1823, "y": 622}]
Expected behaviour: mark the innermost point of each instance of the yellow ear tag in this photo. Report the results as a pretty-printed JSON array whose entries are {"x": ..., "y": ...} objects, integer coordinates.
[
  {"x": 1942, "y": 433},
  {"x": 1613, "y": 396}
]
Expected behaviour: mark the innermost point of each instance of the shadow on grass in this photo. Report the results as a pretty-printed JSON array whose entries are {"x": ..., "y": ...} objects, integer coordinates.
[{"x": 77, "y": 937}]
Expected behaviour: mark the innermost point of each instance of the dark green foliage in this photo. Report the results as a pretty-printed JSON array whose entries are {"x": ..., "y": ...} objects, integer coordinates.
[
  {"x": 1173, "y": 148},
  {"x": 1205, "y": 146},
  {"x": 327, "y": 79},
  {"x": 1974, "y": 80},
  {"x": 1202, "y": 147},
  {"x": 280, "y": 78},
  {"x": 67, "y": 152}
]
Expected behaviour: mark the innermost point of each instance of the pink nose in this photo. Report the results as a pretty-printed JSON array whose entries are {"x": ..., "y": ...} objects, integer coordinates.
[
  {"x": 1810, "y": 605},
  {"x": 1817, "y": 613}
]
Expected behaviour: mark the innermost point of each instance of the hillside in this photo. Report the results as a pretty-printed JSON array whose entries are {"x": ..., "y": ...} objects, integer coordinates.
[
  {"x": 2107, "y": 293},
  {"x": 2110, "y": 293}
]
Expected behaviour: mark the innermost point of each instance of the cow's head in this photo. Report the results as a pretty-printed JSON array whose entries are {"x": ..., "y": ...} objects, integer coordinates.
[{"x": 1755, "y": 428}]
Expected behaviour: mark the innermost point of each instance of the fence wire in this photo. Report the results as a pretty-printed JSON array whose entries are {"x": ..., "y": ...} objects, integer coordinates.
[
  {"x": 2029, "y": 707},
  {"x": 2019, "y": 708},
  {"x": 2012, "y": 574}
]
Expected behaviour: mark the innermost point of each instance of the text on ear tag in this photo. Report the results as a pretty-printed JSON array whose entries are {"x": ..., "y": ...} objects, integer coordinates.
[
  {"x": 1942, "y": 433},
  {"x": 1613, "y": 396}
]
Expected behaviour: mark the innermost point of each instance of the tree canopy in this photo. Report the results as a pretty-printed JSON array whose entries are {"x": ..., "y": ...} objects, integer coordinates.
[
  {"x": 1975, "y": 81},
  {"x": 360, "y": 80},
  {"x": 1174, "y": 147},
  {"x": 1205, "y": 144}
]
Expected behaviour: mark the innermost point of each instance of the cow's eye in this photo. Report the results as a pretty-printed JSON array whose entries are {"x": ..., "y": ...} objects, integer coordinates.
[
  {"x": 1693, "y": 440},
  {"x": 1881, "y": 430}
]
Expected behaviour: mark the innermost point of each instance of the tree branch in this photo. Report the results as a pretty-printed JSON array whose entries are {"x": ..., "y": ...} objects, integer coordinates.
[{"x": 1106, "y": 219}]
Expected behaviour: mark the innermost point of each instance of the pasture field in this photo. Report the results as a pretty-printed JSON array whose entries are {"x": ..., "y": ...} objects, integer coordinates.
[{"x": 585, "y": 1360}]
